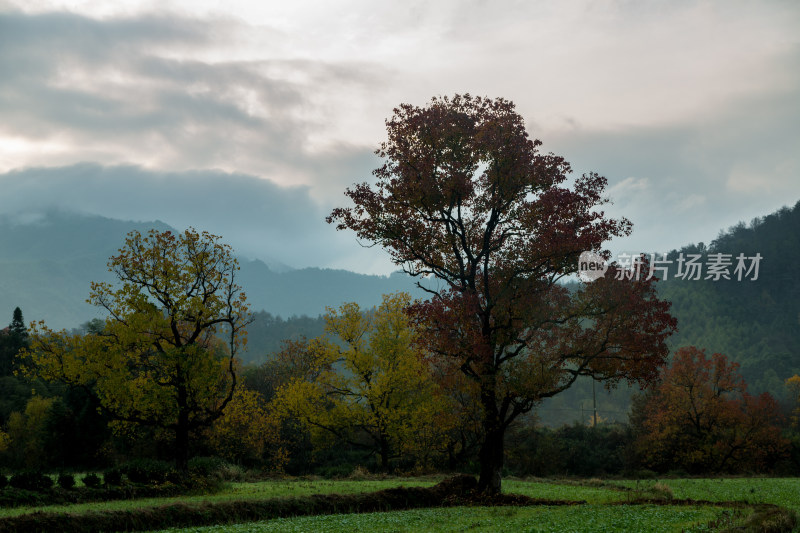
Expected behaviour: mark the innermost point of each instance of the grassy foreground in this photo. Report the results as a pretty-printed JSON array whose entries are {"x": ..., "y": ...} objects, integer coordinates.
[
  {"x": 496, "y": 519},
  {"x": 604, "y": 506},
  {"x": 263, "y": 490},
  {"x": 779, "y": 491},
  {"x": 602, "y": 511}
]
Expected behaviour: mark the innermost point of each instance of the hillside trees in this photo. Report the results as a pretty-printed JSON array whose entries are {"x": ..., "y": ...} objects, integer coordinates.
[
  {"x": 158, "y": 360},
  {"x": 465, "y": 196},
  {"x": 367, "y": 385},
  {"x": 700, "y": 418},
  {"x": 12, "y": 340}
]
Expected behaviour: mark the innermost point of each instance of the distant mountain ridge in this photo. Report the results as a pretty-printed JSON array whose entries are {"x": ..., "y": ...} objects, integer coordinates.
[{"x": 48, "y": 261}]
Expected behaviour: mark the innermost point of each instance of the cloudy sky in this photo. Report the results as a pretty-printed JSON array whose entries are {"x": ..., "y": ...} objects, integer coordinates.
[{"x": 250, "y": 118}]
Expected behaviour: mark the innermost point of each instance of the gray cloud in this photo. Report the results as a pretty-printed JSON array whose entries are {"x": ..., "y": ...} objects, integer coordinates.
[
  {"x": 112, "y": 91},
  {"x": 686, "y": 182},
  {"x": 689, "y": 109}
]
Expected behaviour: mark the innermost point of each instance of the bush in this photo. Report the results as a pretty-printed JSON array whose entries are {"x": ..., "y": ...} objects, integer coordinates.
[
  {"x": 66, "y": 481},
  {"x": 574, "y": 450},
  {"x": 92, "y": 481},
  {"x": 334, "y": 471},
  {"x": 31, "y": 480},
  {"x": 3, "y": 481},
  {"x": 644, "y": 473},
  {"x": 206, "y": 466},
  {"x": 149, "y": 471},
  {"x": 113, "y": 477},
  {"x": 360, "y": 473},
  {"x": 229, "y": 472}
]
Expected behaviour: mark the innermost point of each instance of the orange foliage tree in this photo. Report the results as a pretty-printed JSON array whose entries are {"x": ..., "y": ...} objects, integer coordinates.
[
  {"x": 700, "y": 418},
  {"x": 464, "y": 196}
]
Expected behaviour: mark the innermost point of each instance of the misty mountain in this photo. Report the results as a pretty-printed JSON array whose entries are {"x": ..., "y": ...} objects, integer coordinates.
[{"x": 47, "y": 262}]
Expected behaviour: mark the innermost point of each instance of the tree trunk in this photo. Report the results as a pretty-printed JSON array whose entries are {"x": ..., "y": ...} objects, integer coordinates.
[
  {"x": 384, "y": 454},
  {"x": 491, "y": 452},
  {"x": 182, "y": 449},
  {"x": 182, "y": 433}
]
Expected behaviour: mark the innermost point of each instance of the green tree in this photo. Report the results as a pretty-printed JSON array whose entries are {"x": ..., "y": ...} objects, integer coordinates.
[
  {"x": 27, "y": 433},
  {"x": 12, "y": 340},
  {"x": 158, "y": 360},
  {"x": 370, "y": 380},
  {"x": 247, "y": 433}
]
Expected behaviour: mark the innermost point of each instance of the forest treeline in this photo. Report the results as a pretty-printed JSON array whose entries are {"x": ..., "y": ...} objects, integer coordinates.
[
  {"x": 391, "y": 415},
  {"x": 325, "y": 395},
  {"x": 755, "y": 323}
]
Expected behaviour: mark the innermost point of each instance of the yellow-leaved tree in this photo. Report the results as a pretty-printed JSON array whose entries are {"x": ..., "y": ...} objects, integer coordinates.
[
  {"x": 159, "y": 359},
  {"x": 248, "y": 432},
  {"x": 369, "y": 386}
]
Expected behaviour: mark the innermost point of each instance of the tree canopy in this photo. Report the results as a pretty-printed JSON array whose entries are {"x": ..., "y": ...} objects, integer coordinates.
[
  {"x": 367, "y": 384},
  {"x": 466, "y": 197},
  {"x": 12, "y": 340},
  {"x": 700, "y": 418},
  {"x": 160, "y": 359}
]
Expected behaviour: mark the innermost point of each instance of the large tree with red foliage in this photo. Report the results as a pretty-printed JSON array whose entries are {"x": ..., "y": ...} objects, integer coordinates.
[
  {"x": 700, "y": 418},
  {"x": 466, "y": 197}
]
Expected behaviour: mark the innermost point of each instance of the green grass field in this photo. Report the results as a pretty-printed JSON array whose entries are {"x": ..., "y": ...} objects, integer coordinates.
[
  {"x": 496, "y": 519},
  {"x": 236, "y": 491},
  {"x": 600, "y": 512},
  {"x": 780, "y": 491}
]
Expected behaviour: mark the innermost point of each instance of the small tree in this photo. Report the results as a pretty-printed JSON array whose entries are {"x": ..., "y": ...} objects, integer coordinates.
[
  {"x": 17, "y": 326},
  {"x": 247, "y": 433},
  {"x": 369, "y": 381},
  {"x": 700, "y": 418},
  {"x": 465, "y": 196},
  {"x": 12, "y": 340},
  {"x": 159, "y": 360}
]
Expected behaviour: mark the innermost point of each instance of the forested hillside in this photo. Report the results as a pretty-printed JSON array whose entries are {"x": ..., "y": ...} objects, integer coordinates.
[{"x": 755, "y": 322}]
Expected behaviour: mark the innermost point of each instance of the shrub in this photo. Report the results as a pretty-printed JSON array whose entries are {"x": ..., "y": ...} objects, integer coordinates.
[
  {"x": 334, "y": 471},
  {"x": 644, "y": 473},
  {"x": 205, "y": 466},
  {"x": 661, "y": 491},
  {"x": 3, "y": 481},
  {"x": 91, "y": 480},
  {"x": 31, "y": 480},
  {"x": 230, "y": 472},
  {"x": 149, "y": 471},
  {"x": 66, "y": 481},
  {"x": 113, "y": 477},
  {"x": 359, "y": 473}
]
